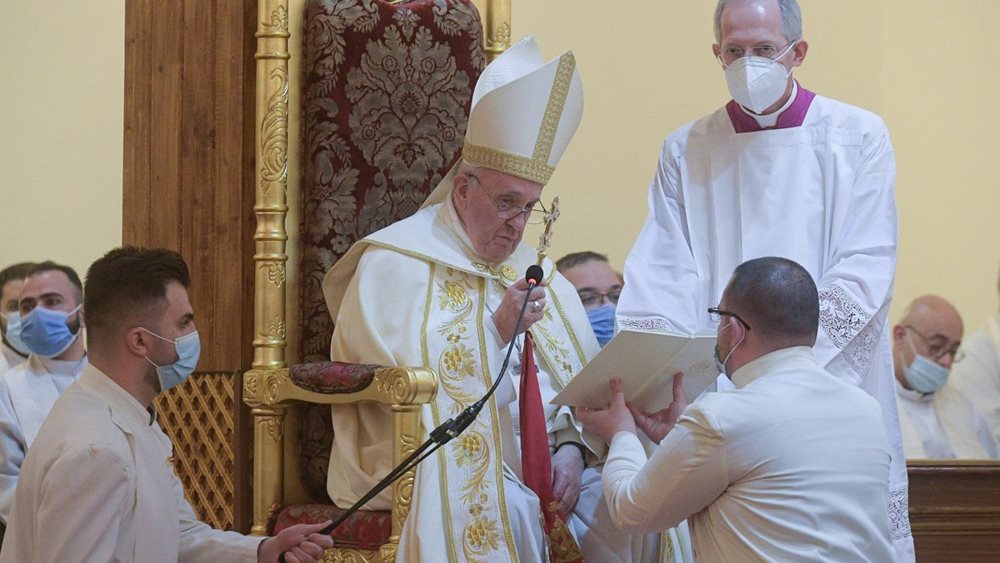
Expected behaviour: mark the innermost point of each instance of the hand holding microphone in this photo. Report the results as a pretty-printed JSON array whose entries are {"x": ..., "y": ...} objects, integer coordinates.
[{"x": 506, "y": 316}]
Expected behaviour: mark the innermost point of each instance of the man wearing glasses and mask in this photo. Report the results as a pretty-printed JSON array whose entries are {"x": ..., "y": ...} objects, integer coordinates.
[
  {"x": 443, "y": 289},
  {"x": 778, "y": 171},
  {"x": 936, "y": 420},
  {"x": 598, "y": 286},
  {"x": 790, "y": 465}
]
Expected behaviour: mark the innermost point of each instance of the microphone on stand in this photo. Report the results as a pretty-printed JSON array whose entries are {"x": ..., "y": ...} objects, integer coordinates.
[{"x": 450, "y": 428}]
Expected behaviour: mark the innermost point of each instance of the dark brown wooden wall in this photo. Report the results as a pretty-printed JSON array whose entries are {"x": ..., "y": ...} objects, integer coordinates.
[{"x": 189, "y": 172}]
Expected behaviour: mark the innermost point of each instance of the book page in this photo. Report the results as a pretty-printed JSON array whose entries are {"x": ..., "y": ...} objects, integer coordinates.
[{"x": 645, "y": 362}]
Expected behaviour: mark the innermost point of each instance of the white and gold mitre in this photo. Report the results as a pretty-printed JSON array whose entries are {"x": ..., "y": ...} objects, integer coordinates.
[{"x": 524, "y": 113}]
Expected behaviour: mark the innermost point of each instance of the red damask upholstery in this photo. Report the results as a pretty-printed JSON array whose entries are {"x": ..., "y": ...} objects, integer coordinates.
[
  {"x": 363, "y": 530},
  {"x": 387, "y": 89}
]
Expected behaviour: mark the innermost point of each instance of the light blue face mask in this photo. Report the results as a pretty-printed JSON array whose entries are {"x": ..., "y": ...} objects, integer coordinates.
[
  {"x": 188, "y": 349},
  {"x": 13, "y": 333},
  {"x": 720, "y": 364},
  {"x": 923, "y": 375},
  {"x": 602, "y": 319},
  {"x": 45, "y": 332}
]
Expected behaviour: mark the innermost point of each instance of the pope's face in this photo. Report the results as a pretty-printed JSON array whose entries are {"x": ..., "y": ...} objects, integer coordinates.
[{"x": 477, "y": 196}]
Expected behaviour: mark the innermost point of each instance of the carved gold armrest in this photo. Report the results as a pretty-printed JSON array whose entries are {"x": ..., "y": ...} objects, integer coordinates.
[{"x": 269, "y": 393}]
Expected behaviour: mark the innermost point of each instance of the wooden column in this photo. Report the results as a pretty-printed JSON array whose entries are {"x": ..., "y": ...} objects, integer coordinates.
[{"x": 189, "y": 186}]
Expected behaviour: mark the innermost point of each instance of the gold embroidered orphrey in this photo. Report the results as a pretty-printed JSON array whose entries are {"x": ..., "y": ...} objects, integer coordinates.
[{"x": 470, "y": 469}]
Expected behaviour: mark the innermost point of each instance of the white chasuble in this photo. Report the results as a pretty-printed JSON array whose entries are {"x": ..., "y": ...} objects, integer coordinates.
[
  {"x": 413, "y": 294},
  {"x": 820, "y": 194}
]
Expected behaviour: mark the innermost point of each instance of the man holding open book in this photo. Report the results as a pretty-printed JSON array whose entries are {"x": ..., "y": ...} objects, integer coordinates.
[{"x": 791, "y": 465}]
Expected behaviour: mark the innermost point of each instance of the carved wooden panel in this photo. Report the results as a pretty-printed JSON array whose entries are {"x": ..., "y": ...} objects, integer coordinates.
[
  {"x": 955, "y": 510},
  {"x": 189, "y": 186}
]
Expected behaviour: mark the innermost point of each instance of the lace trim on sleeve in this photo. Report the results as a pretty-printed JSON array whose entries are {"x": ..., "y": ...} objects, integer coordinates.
[
  {"x": 657, "y": 325},
  {"x": 899, "y": 513},
  {"x": 849, "y": 327}
]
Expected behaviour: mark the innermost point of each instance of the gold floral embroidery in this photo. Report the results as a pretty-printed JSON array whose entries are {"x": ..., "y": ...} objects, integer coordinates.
[
  {"x": 455, "y": 297},
  {"x": 481, "y": 536}
]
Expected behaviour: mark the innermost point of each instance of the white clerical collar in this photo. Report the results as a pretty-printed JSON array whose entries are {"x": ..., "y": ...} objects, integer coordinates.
[
  {"x": 68, "y": 367},
  {"x": 455, "y": 222},
  {"x": 782, "y": 359},
  {"x": 771, "y": 119},
  {"x": 910, "y": 394}
]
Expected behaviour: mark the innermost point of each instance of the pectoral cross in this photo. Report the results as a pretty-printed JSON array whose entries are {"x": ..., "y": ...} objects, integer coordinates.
[{"x": 545, "y": 240}]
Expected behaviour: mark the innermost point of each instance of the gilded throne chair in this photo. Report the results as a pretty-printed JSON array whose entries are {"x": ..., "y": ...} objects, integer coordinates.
[{"x": 386, "y": 93}]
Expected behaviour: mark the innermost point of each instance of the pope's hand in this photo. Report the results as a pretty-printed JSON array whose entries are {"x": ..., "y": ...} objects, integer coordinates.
[
  {"x": 506, "y": 314},
  {"x": 299, "y": 544},
  {"x": 611, "y": 420},
  {"x": 658, "y": 424},
  {"x": 567, "y": 467}
]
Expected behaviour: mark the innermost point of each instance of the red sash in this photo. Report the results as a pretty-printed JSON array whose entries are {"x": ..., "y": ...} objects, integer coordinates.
[{"x": 536, "y": 461}]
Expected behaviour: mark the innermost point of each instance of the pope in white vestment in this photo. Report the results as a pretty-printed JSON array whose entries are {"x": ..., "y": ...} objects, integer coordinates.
[
  {"x": 419, "y": 293},
  {"x": 101, "y": 440},
  {"x": 27, "y": 393},
  {"x": 977, "y": 375}
]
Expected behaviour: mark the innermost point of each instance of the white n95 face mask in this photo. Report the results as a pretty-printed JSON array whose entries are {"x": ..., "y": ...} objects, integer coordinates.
[{"x": 756, "y": 83}]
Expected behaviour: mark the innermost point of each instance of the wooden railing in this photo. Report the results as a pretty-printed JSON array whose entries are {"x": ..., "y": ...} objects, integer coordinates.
[{"x": 955, "y": 510}]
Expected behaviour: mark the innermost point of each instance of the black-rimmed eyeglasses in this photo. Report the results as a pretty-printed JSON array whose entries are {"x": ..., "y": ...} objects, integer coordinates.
[{"x": 716, "y": 315}]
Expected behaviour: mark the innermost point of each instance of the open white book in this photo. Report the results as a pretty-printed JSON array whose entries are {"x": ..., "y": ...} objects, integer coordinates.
[{"x": 645, "y": 362}]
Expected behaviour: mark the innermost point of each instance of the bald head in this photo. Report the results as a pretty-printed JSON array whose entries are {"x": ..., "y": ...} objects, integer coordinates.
[
  {"x": 931, "y": 327},
  {"x": 934, "y": 315}
]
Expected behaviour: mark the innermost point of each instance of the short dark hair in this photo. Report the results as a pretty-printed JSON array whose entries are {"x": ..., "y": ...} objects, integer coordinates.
[
  {"x": 125, "y": 284},
  {"x": 577, "y": 258},
  {"x": 50, "y": 266},
  {"x": 777, "y": 297},
  {"x": 17, "y": 271}
]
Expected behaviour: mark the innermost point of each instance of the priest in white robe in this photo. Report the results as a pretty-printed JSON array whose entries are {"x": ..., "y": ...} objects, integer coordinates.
[
  {"x": 443, "y": 289},
  {"x": 977, "y": 376},
  {"x": 49, "y": 309},
  {"x": 98, "y": 482},
  {"x": 778, "y": 171},
  {"x": 936, "y": 421}
]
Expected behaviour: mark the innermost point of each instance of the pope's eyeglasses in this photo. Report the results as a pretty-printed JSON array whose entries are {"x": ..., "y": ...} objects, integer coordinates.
[{"x": 507, "y": 208}]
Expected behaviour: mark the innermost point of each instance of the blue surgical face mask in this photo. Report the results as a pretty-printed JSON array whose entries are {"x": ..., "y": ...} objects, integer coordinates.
[
  {"x": 603, "y": 320},
  {"x": 13, "y": 333},
  {"x": 46, "y": 333},
  {"x": 188, "y": 349},
  {"x": 923, "y": 375}
]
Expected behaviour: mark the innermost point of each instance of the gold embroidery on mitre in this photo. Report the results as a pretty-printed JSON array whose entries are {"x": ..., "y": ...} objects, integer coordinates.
[
  {"x": 563, "y": 546},
  {"x": 554, "y": 107},
  {"x": 537, "y": 171}
]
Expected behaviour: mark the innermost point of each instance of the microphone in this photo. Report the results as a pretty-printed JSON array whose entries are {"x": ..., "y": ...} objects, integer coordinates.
[{"x": 450, "y": 428}]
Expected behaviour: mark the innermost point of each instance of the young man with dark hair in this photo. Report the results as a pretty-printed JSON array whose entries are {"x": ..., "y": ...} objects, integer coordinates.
[
  {"x": 50, "y": 320},
  {"x": 98, "y": 485}
]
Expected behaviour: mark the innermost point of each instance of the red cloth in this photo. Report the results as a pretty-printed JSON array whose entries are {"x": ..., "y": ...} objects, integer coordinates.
[{"x": 536, "y": 461}]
